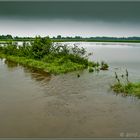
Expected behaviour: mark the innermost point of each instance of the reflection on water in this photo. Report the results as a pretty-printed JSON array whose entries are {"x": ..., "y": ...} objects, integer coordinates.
[
  {"x": 35, "y": 74},
  {"x": 36, "y": 104},
  {"x": 38, "y": 75},
  {"x": 10, "y": 64}
]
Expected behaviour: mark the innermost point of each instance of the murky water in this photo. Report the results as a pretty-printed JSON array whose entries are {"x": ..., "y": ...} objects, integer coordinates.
[{"x": 36, "y": 104}]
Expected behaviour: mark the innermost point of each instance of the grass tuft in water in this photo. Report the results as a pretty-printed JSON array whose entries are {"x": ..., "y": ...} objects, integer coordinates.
[
  {"x": 104, "y": 66},
  {"x": 91, "y": 69},
  {"x": 126, "y": 87}
]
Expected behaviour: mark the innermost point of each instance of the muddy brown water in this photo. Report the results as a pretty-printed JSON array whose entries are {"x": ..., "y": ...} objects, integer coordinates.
[{"x": 36, "y": 104}]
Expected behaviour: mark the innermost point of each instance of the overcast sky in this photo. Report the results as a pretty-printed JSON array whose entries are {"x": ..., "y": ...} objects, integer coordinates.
[{"x": 120, "y": 19}]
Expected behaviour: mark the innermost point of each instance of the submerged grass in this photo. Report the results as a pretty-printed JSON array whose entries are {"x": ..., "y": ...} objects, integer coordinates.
[
  {"x": 127, "y": 89},
  {"x": 123, "y": 85}
]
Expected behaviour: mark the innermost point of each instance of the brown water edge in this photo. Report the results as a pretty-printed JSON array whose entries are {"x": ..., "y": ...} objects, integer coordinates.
[{"x": 34, "y": 104}]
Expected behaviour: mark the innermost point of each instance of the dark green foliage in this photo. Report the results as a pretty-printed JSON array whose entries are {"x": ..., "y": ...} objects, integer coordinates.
[
  {"x": 25, "y": 51},
  {"x": 93, "y": 64},
  {"x": 7, "y": 37},
  {"x": 97, "y": 64},
  {"x": 117, "y": 78},
  {"x": 126, "y": 87},
  {"x": 91, "y": 69},
  {"x": 59, "y": 38},
  {"x": 41, "y": 47},
  {"x": 60, "y": 59},
  {"x": 1, "y": 49},
  {"x": 78, "y": 59},
  {"x": 43, "y": 53},
  {"x": 78, "y": 75},
  {"x": 10, "y": 50},
  {"x": 104, "y": 66},
  {"x": 127, "y": 75}
]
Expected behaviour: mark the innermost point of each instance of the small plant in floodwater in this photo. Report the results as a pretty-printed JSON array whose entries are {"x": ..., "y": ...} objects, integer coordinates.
[
  {"x": 126, "y": 87},
  {"x": 91, "y": 69},
  {"x": 93, "y": 64},
  {"x": 97, "y": 69},
  {"x": 104, "y": 66},
  {"x": 122, "y": 76},
  {"x": 97, "y": 64},
  {"x": 78, "y": 75},
  {"x": 117, "y": 78},
  {"x": 127, "y": 76}
]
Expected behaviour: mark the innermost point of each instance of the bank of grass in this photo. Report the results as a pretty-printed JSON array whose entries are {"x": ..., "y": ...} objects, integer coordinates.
[
  {"x": 53, "y": 67},
  {"x": 127, "y": 89},
  {"x": 52, "y": 58},
  {"x": 124, "y": 86},
  {"x": 45, "y": 55},
  {"x": 2, "y": 55}
]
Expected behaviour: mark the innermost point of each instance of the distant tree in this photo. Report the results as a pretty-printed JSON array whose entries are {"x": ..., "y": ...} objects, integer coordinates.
[
  {"x": 8, "y": 37},
  {"x": 59, "y": 37},
  {"x": 78, "y": 37},
  {"x": 41, "y": 47}
]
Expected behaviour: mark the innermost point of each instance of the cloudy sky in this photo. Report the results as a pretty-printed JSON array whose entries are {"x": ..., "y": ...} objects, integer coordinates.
[{"x": 68, "y": 18}]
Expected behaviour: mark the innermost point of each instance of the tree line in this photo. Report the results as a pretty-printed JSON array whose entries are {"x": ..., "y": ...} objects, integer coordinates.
[{"x": 59, "y": 37}]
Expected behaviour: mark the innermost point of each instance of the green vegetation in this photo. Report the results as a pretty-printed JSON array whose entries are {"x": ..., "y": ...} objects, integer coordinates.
[
  {"x": 125, "y": 87},
  {"x": 53, "y": 67},
  {"x": 104, "y": 66},
  {"x": 91, "y": 69},
  {"x": 43, "y": 54},
  {"x": 59, "y": 38},
  {"x": 97, "y": 67}
]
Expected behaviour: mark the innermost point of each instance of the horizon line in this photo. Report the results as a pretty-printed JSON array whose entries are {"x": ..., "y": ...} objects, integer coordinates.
[
  {"x": 69, "y": 0},
  {"x": 71, "y": 36}
]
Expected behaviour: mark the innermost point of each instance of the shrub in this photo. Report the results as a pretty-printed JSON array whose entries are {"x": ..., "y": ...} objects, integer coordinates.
[
  {"x": 104, "y": 66},
  {"x": 91, "y": 69}
]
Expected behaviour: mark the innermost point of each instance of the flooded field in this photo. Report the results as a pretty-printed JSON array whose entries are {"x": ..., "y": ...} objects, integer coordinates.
[{"x": 36, "y": 104}]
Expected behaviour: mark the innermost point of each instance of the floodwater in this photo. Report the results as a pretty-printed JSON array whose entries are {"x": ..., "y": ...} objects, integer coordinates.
[{"x": 36, "y": 104}]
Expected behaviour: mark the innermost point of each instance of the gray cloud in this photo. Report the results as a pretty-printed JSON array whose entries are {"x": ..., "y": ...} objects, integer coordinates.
[
  {"x": 103, "y": 11},
  {"x": 70, "y": 18}
]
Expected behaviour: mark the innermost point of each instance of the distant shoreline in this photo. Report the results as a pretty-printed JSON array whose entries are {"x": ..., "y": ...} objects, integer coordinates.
[
  {"x": 121, "y": 41},
  {"x": 75, "y": 40}
]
